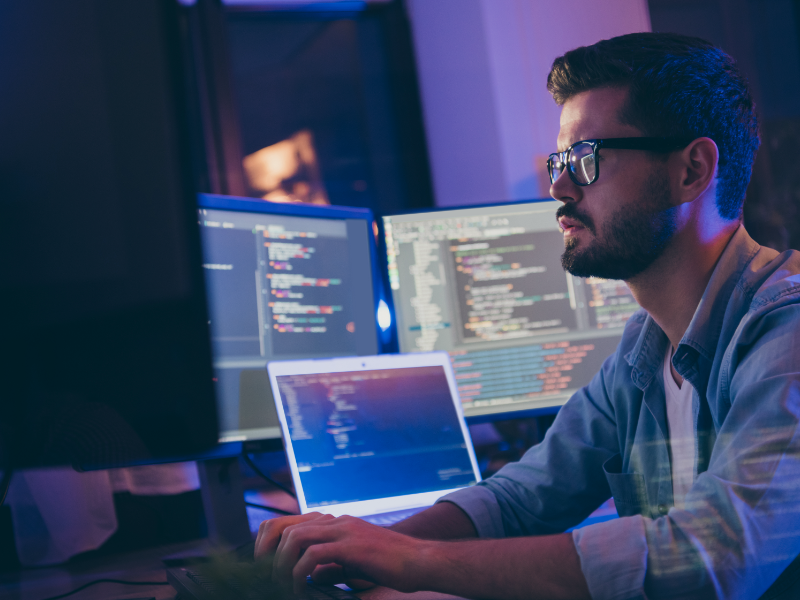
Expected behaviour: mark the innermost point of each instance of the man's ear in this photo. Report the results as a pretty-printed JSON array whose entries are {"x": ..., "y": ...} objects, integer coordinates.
[{"x": 698, "y": 168}]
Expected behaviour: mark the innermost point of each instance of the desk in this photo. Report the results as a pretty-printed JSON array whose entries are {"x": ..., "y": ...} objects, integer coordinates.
[{"x": 144, "y": 565}]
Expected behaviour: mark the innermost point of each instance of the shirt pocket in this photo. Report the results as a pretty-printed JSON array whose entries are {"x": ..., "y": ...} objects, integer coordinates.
[{"x": 628, "y": 489}]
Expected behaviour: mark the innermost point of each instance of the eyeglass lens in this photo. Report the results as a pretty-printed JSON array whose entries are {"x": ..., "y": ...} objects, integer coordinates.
[
  {"x": 555, "y": 166},
  {"x": 581, "y": 164}
]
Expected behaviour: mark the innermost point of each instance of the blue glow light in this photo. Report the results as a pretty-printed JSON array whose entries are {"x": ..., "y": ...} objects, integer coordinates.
[
  {"x": 299, "y": 5},
  {"x": 384, "y": 316}
]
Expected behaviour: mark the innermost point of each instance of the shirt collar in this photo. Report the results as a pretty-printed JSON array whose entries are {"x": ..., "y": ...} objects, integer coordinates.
[{"x": 703, "y": 333}]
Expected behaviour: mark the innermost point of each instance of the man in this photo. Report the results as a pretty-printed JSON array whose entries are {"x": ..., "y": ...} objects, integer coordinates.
[{"x": 691, "y": 426}]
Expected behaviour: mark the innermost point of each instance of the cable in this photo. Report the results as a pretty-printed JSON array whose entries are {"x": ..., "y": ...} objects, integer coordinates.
[
  {"x": 83, "y": 587},
  {"x": 280, "y": 511},
  {"x": 5, "y": 484},
  {"x": 260, "y": 473}
]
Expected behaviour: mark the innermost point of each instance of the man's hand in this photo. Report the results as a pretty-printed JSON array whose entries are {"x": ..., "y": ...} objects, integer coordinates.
[
  {"x": 333, "y": 550},
  {"x": 269, "y": 532},
  {"x": 444, "y": 521}
]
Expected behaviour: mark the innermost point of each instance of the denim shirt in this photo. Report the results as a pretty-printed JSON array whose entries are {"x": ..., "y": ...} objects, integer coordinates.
[{"x": 740, "y": 526}]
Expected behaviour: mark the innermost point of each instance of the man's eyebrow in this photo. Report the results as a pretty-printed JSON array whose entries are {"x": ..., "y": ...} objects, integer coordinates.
[
  {"x": 575, "y": 142},
  {"x": 566, "y": 146}
]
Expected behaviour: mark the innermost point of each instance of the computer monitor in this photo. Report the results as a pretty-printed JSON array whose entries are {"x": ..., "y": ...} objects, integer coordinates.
[
  {"x": 284, "y": 281},
  {"x": 104, "y": 352},
  {"x": 486, "y": 285}
]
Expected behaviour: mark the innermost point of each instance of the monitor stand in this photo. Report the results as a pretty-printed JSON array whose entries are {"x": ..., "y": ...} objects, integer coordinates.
[
  {"x": 226, "y": 515},
  {"x": 223, "y": 502}
]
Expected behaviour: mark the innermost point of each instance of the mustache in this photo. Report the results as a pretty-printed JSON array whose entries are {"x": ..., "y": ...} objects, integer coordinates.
[{"x": 570, "y": 211}]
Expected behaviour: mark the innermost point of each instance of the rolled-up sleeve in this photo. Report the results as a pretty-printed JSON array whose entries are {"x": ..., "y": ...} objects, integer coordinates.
[
  {"x": 613, "y": 557},
  {"x": 481, "y": 507}
]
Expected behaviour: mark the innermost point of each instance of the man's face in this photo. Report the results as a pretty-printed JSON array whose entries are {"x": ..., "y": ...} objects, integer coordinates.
[{"x": 617, "y": 226}]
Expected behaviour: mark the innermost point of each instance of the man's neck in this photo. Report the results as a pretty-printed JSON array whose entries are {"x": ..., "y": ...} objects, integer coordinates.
[{"x": 671, "y": 288}]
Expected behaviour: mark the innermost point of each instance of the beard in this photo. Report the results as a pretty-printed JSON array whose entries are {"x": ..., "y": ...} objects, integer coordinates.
[{"x": 631, "y": 241}]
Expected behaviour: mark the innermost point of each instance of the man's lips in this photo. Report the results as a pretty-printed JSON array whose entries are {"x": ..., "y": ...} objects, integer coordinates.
[{"x": 569, "y": 225}]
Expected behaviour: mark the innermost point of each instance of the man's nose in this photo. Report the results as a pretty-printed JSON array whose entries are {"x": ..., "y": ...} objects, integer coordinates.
[{"x": 564, "y": 189}]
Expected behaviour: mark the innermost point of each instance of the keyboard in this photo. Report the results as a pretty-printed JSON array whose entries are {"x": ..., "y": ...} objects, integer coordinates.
[
  {"x": 196, "y": 583},
  {"x": 236, "y": 576}
]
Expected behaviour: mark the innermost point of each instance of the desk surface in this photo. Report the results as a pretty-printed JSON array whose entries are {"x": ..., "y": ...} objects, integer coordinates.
[{"x": 144, "y": 565}]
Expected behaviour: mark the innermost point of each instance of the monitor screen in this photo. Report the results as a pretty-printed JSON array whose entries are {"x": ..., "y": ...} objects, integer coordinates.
[
  {"x": 284, "y": 281},
  {"x": 486, "y": 285}
]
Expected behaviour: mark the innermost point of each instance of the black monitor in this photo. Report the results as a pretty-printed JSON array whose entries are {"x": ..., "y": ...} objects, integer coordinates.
[
  {"x": 104, "y": 351},
  {"x": 486, "y": 285},
  {"x": 284, "y": 281}
]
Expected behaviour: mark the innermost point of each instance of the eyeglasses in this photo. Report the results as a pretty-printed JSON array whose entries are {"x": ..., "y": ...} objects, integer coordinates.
[{"x": 580, "y": 159}]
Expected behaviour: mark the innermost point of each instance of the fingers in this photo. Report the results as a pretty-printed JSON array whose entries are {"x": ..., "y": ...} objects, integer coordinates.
[
  {"x": 295, "y": 539},
  {"x": 317, "y": 554},
  {"x": 359, "y": 584},
  {"x": 270, "y": 532},
  {"x": 343, "y": 548},
  {"x": 332, "y": 574},
  {"x": 325, "y": 549}
]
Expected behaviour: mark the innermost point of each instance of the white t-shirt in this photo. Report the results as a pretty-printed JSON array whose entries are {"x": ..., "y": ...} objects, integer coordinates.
[{"x": 680, "y": 420}]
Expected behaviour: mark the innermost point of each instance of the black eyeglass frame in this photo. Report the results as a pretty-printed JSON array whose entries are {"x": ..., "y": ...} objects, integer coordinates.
[{"x": 652, "y": 144}]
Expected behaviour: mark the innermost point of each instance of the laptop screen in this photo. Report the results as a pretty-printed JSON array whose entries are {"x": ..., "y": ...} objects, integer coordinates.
[{"x": 365, "y": 435}]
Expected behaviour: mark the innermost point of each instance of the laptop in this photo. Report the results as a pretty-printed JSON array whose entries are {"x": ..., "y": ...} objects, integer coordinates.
[{"x": 376, "y": 437}]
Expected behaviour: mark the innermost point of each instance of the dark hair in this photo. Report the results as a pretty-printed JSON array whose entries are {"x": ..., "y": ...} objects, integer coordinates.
[{"x": 678, "y": 86}]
